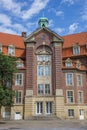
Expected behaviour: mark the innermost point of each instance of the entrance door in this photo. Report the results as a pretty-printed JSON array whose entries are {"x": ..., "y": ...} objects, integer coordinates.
[
  {"x": 81, "y": 114},
  {"x": 39, "y": 108},
  {"x": 17, "y": 116},
  {"x": 48, "y": 107}
]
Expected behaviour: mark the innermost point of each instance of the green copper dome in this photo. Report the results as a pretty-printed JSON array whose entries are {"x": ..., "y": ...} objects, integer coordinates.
[{"x": 43, "y": 22}]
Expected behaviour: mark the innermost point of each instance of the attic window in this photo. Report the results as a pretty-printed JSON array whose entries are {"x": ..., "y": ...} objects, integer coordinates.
[
  {"x": 68, "y": 63},
  {"x": 19, "y": 65},
  {"x": 0, "y": 48},
  {"x": 76, "y": 49},
  {"x": 11, "y": 50}
]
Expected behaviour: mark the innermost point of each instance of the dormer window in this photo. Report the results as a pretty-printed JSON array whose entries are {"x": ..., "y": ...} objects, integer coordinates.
[
  {"x": 19, "y": 65},
  {"x": 68, "y": 63},
  {"x": 76, "y": 49},
  {"x": 11, "y": 50},
  {"x": 0, "y": 48}
]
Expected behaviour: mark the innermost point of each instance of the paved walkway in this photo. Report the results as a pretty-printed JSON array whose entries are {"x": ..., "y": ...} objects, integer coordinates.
[{"x": 43, "y": 125}]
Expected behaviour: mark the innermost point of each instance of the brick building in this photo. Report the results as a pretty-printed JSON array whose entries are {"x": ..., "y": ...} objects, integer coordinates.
[{"x": 52, "y": 74}]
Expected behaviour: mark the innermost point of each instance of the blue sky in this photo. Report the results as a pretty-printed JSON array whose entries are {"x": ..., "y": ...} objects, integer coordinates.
[{"x": 65, "y": 16}]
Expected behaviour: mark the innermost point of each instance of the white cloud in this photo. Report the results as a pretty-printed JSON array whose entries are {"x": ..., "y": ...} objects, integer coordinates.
[
  {"x": 7, "y": 30},
  {"x": 51, "y": 23},
  {"x": 12, "y": 6},
  {"x": 73, "y": 27},
  {"x": 84, "y": 13},
  {"x": 5, "y": 20},
  {"x": 35, "y": 8},
  {"x": 70, "y": 2},
  {"x": 59, "y": 30},
  {"x": 59, "y": 13}
]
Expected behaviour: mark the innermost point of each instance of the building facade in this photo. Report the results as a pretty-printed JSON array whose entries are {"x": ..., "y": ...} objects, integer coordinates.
[{"x": 52, "y": 74}]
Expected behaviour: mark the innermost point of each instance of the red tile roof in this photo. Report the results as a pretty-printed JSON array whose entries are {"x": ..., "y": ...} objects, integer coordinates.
[
  {"x": 11, "y": 39},
  {"x": 16, "y": 41},
  {"x": 70, "y": 40}
]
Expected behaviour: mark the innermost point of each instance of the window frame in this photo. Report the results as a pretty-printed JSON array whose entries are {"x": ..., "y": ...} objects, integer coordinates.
[
  {"x": 76, "y": 49},
  {"x": 71, "y": 113},
  {"x": 16, "y": 82},
  {"x": 18, "y": 99},
  {"x": 10, "y": 51},
  {"x": 45, "y": 91},
  {"x": 68, "y": 80},
  {"x": 80, "y": 97},
  {"x": 70, "y": 99},
  {"x": 79, "y": 80}
]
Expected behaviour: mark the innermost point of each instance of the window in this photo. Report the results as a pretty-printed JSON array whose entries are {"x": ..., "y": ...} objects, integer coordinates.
[
  {"x": 68, "y": 62},
  {"x": 19, "y": 65},
  {"x": 18, "y": 97},
  {"x": 69, "y": 79},
  {"x": 43, "y": 70},
  {"x": 76, "y": 50},
  {"x": 0, "y": 48},
  {"x": 44, "y": 66},
  {"x": 70, "y": 97},
  {"x": 40, "y": 89},
  {"x": 71, "y": 113},
  {"x": 19, "y": 78},
  {"x": 45, "y": 58},
  {"x": 79, "y": 80},
  {"x": 48, "y": 107},
  {"x": 39, "y": 107},
  {"x": 43, "y": 89},
  {"x": 80, "y": 97},
  {"x": 11, "y": 50}
]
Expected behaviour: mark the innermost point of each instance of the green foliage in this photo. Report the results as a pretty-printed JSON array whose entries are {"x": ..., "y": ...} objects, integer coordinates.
[
  {"x": 6, "y": 96},
  {"x": 7, "y": 70}
]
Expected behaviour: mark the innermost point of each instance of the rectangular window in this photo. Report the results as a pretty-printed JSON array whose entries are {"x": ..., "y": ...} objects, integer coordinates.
[
  {"x": 43, "y": 70},
  {"x": 70, "y": 97},
  {"x": 43, "y": 89},
  {"x": 40, "y": 89},
  {"x": 45, "y": 58},
  {"x": 48, "y": 107},
  {"x": 79, "y": 80},
  {"x": 19, "y": 79},
  {"x": 69, "y": 79},
  {"x": 80, "y": 97},
  {"x": 18, "y": 97},
  {"x": 11, "y": 50},
  {"x": 47, "y": 88},
  {"x": 39, "y": 107},
  {"x": 76, "y": 50},
  {"x": 71, "y": 113}
]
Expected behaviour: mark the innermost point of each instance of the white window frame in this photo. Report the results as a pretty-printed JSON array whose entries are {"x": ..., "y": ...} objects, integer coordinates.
[
  {"x": 67, "y": 83},
  {"x": 44, "y": 91},
  {"x": 76, "y": 49},
  {"x": 70, "y": 98},
  {"x": 80, "y": 96},
  {"x": 17, "y": 100},
  {"x": 11, "y": 50},
  {"x": 16, "y": 82},
  {"x": 79, "y": 81}
]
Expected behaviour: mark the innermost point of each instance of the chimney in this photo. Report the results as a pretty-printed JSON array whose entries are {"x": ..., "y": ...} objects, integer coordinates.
[{"x": 24, "y": 34}]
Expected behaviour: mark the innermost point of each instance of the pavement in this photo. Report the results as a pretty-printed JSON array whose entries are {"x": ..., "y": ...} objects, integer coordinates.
[{"x": 43, "y": 125}]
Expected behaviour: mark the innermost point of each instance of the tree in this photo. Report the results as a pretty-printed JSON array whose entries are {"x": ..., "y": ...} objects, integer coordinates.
[{"x": 7, "y": 70}]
